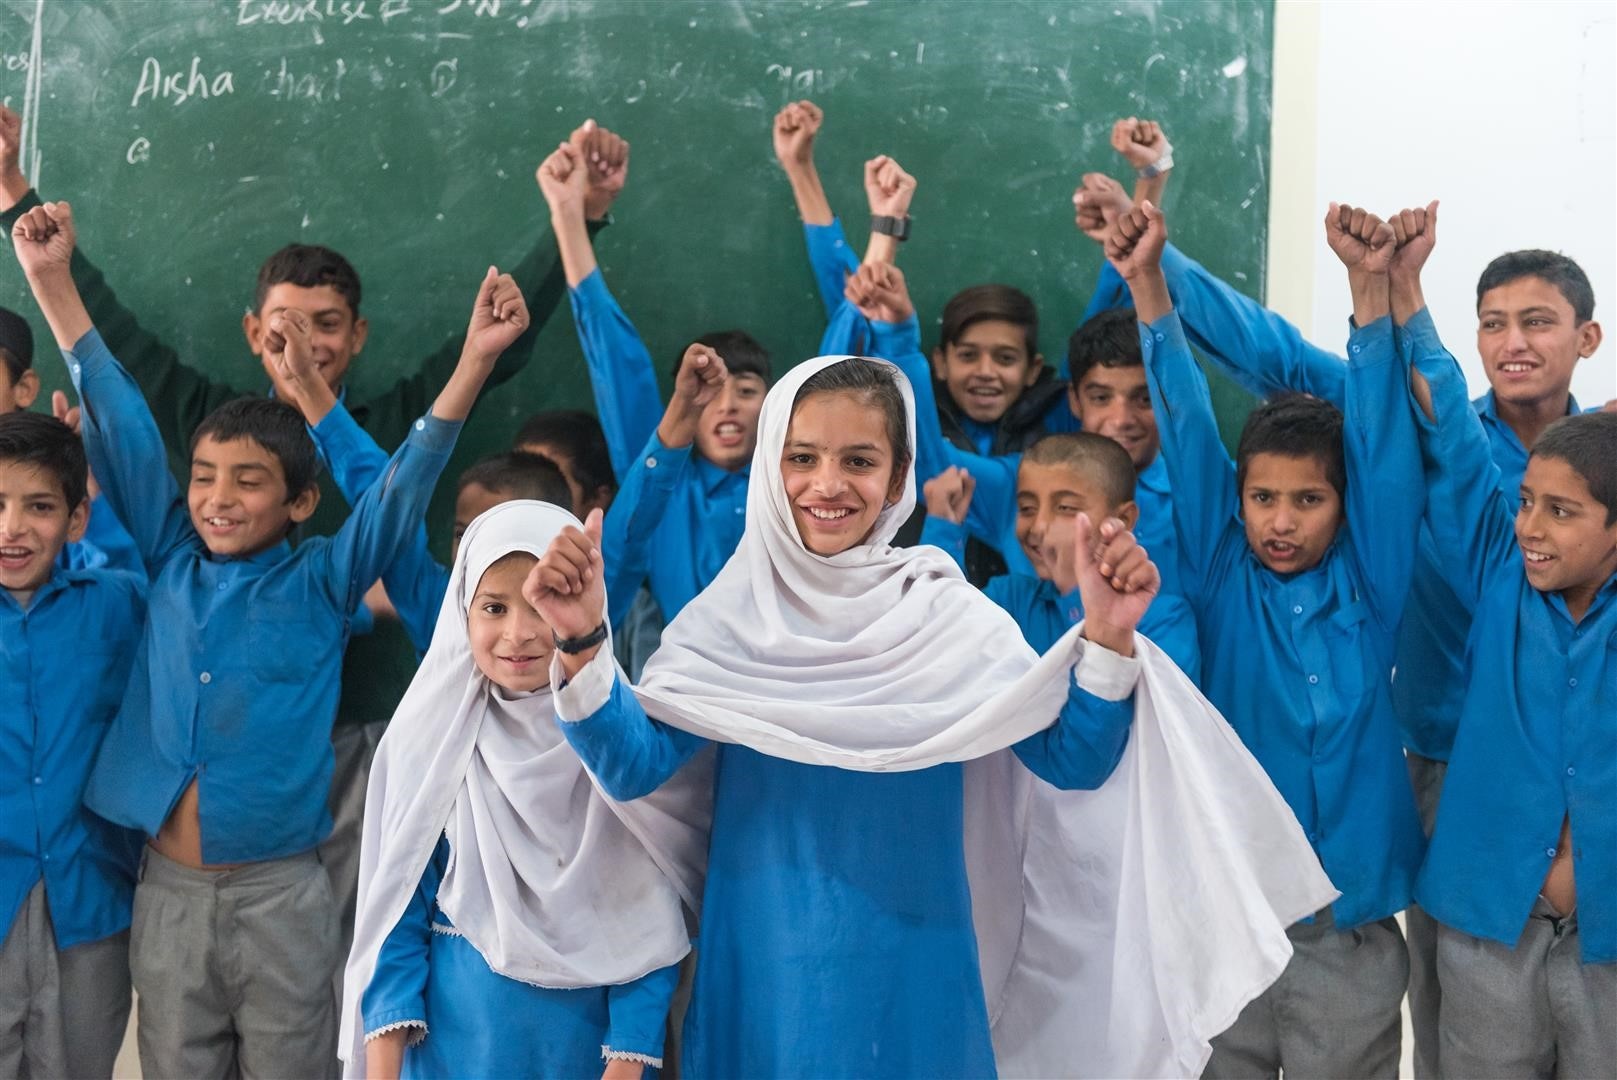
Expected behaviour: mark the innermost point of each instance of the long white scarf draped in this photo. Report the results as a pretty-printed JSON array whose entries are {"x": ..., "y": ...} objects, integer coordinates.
[
  {"x": 552, "y": 882},
  {"x": 1155, "y": 907}
]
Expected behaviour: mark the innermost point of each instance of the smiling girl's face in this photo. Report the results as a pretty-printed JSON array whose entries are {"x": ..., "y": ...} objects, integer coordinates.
[
  {"x": 839, "y": 469},
  {"x": 511, "y": 644}
]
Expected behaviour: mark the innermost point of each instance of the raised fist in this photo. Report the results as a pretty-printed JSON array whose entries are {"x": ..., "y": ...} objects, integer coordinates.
[
  {"x": 1141, "y": 142},
  {"x": 1097, "y": 203},
  {"x": 44, "y": 238},
  {"x": 1136, "y": 241},
  {"x": 1415, "y": 232},
  {"x": 948, "y": 494},
  {"x": 564, "y": 180},
  {"x": 880, "y": 293},
  {"x": 795, "y": 128},
  {"x": 605, "y": 157},
  {"x": 1361, "y": 240},
  {"x": 888, "y": 188}
]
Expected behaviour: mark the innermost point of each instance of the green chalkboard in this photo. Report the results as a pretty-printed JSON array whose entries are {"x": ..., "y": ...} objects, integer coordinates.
[{"x": 196, "y": 136}]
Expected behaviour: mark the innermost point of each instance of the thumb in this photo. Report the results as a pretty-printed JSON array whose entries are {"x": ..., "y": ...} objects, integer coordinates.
[
  {"x": 1431, "y": 219},
  {"x": 59, "y": 405},
  {"x": 1083, "y": 556},
  {"x": 592, "y": 527},
  {"x": 1151, "y": 211}
]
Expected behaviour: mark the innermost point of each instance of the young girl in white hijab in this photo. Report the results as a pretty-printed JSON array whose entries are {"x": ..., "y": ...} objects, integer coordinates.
[
  {"x": 838, "y": 929},
  {"x": 511, "y": 921}
]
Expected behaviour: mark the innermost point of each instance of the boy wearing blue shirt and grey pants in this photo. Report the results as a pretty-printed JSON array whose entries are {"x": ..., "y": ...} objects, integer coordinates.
[{"x": 220, "y": 753}]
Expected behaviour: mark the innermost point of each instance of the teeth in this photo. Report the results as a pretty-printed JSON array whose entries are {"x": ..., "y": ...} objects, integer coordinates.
[
  {"x": 1515, "y": 366},
  {"x": 828, "y": 515},
  {"x": 1534, "y": 556},
  {"x": 218, "y": 522},
  {"x": 729, "y": 429}
]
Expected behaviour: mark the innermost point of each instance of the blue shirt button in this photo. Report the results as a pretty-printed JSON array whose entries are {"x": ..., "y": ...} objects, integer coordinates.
[
  {"x": 1313, "y": 680},
  {"x": 651, "y": 463},
  {"x": 223, "y": 586},
  {"x": 1355, "y": 348},
  {"x": 1573, "y": 682},
  {"x": 1550, "y": 852},
  {"x": 1162, "y": 337},
  {"x": 45, "y": 857},
  {"x": 39, "y": 780},
  {"x": 1298, "y": 610},
  {"x": 75, "y": 369},
  {"x": 205, "y": 678},
  {"x": 421, "y": 425},
  {"x": 1571, "y": 771}
]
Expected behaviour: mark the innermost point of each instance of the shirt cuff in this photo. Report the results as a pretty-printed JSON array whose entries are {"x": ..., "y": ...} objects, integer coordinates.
[
  {"x": 592, "y": 290},
  {"x": 586, "y": 693},
  {"x": 897, "y": 339},
  {"x": 657, "y": 456},
  {"x": 90, "y": 351},
  {"x": 1418, "y": 336},
  {"x": 1108, "y": 675},
  {"x": 1166, "y": 333},
  {"x": 435, "y": 435}
]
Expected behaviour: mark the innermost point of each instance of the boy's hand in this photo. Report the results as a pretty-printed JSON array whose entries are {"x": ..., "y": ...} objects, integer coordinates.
[
  {"x": 73, "y": 418},
  {"x": 1363, "y": 242},
  {"x": 795, "y": 128},
  {"x": 948, "y": 494},
  {"x": 567, "y": 586},
  {"x": 1135, "y": 243},
  {"x": 888, "y": 188},
  {"x": 564, "y": 181},
  {"x": 880, "y": 293},
  {"x": 1141, "y": 142},
  {"x": 44, "y": 239},
  {"x": 1415, "y": 232},
  {"x": 1097, "y": 203},
  {"x": 286, "y": 349},
  {"x": 1116, "y": 580},
  {"x": 702, "y": 375},
  {"x": 605, "y": 157},
  {"x": 498, "y": 317},
  {"x": 13, "y": 184}
]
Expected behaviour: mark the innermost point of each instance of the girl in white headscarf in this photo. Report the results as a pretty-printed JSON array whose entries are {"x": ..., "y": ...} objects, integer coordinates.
[{"x": 511, "y": 920}]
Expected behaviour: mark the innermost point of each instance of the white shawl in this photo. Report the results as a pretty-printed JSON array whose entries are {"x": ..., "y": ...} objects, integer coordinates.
[{"x": 552, "y": 882}]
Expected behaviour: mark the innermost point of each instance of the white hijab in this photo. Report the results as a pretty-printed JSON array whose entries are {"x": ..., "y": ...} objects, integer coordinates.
[
  {"x": 552, "y": 882},
  {"x": 1119, "y": 930}
]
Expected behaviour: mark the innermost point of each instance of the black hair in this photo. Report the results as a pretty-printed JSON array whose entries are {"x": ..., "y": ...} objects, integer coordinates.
[
  {"x": 579, "y": 437},
  {"x": 1588, "y": 443},
  {"x": 1094, "y": 456},
  {"x": 874, "y": 382},
  {"x": 1551, "y": 266},
  {"x": 16, "y": 343},
  {"x": 741, "y": 352},
  {"x": 1003, "y": 303},
  {"x": 44, "y": 442},
  {"x": 1294, "y": 426},
  {"x": 1110, "y": 339},
  {"x": 274, "y": 425},
  {"x": 520, "y": 475},
  {"x": 308, "y": 266}
]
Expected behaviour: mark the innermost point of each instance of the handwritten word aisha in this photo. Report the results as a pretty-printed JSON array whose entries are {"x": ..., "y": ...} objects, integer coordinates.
[{"x": 179, "y": 87}]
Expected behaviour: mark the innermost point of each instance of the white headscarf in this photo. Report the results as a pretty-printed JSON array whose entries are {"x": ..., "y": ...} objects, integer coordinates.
[{"x": 552, "y": 882}]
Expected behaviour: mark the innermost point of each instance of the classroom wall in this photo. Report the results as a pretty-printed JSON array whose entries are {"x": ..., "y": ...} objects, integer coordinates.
[{"x": 1506, "y": 111}]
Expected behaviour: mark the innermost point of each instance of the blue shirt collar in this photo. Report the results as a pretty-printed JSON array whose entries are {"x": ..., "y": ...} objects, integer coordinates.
[
  {"x": 713, "y": 477},
  {"x": 268, "y": 557}
]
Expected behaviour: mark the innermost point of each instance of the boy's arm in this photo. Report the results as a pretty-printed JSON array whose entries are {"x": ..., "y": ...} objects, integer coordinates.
[
  {"x": 948, "y": 499},
  {"x": 1144, "y": 145},
  {"x": 830, "y": 257}
]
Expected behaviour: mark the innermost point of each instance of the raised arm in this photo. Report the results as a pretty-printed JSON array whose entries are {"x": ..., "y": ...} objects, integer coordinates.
[
  {"x": 888, "y": 191},
  {"x": 830, "y": 257},
  {"x": 1144, "y": 145}
]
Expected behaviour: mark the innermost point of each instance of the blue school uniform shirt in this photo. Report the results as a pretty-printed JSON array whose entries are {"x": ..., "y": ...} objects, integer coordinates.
[
  {"x": 64, "y": 664},
  {"x": 1536, "y": 742},
  {"x": 1299, "y": 664},
  {"x": 236, "y": 681},
  {"x": 106, "y": 544}
]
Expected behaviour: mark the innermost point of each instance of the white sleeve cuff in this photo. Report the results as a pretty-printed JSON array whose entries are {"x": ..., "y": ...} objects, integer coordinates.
[
  {"x": 584, "y": 694},
  {"x": 1108, "y": 675}
]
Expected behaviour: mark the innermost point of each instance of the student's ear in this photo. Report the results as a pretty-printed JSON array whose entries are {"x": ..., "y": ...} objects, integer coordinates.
[
  {"x": 1128, "y": 513},
  {"x": 303, "y": 507},
  {"x": 362, "y": 330},
  {"x": 940, "y": 367},
  {"x": 78, "y": 521},
  {"x": 26, "y": 389},
  {"x": 1589, "y": 337},
  {"x": 895, "y": 487},
  {"x": 252, "y": 328},
  {"x": 1035, "y": 368}
]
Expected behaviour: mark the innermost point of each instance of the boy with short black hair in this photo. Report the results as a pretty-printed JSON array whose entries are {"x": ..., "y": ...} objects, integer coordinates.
[
  {"x": 19, "y": 383},
  {"x": 221, "y": 753},
  {"x": 67, "y": 640}
]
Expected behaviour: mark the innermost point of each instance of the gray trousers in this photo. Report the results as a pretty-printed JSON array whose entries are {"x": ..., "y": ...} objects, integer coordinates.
[
  {"x": 233, "y": 969},
  {"x": 63, "y": 1012},
  {"x": 1425, "y": 996},
  {"x": 1531, "y": 1011},
  {"x": 1335, "y": 1011},
  {"x": 354, "y": 748}
]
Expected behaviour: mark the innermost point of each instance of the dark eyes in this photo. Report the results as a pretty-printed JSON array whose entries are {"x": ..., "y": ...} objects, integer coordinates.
[{"x": 492, "y": 608}]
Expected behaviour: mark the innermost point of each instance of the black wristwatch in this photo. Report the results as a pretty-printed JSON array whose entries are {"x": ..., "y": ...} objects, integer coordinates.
[
  {"x": 896, "y": 227},
  {"x": 572, "y": 646}
]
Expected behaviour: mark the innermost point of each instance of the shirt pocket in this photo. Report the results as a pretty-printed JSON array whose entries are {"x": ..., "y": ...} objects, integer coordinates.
[
  {"x": 1352, "y": 656},
  {"x": 285, "y": 645}
]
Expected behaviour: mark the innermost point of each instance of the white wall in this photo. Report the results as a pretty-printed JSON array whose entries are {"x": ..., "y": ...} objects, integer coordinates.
[{"x": 1506, "y": 110}]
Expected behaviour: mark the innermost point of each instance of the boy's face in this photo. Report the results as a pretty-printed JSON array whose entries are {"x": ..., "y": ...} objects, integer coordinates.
[
  {"x": 728, "y": 430},
  {"x": 35, "y": 524},
  {"x": 1561, "y": 529},
  {"x": 19, "y": 393},
  {"x": 238, "y": 497},
  {"x": 583, "y": 501},
  {"x": 1291, "y": 511},
  {"x": 838, "y": 470},
  {"x": 1049, "y": 499},
  {"x": 336, "y": 335},
  {"x": 1530, "y": 340},
  {"x": 987, "y": 369},
  {"x": 471, "y": 502},
  {"x": 511, "y": 643},
  {"x": 1116, "y": 402}
]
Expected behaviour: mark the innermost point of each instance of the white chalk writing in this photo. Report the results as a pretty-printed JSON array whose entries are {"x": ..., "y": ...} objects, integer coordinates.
[{"x": 178, "y": 87}]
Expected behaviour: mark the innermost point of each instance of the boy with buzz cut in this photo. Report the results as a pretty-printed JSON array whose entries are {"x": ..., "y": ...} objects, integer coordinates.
[
  {"x": 1521, "y": 875},
  {"x": 67, "y": 640},
  {"x": 1296, "y": 558},
  {"x": 220, "y": 753}
]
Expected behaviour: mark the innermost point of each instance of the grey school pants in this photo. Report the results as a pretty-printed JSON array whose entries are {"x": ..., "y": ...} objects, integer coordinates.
[
  {"x": 63, "y": 1012},
  {"x": 1425, "y": 996},
  {"x": 1334, "y": 1012},
  {"x": 233, "y": 969},
  {"x": 353, "y": 747},
  {"x": 1531, "y": 1011}
]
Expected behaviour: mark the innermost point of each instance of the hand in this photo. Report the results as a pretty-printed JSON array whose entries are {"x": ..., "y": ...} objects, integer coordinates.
[
  {"x": 795, "y": 128},
  {"x": 73, "y": 418},
  {"x": 10, "y": 141},
  {"x": 888, "y": 188},
  {"x": 948, "y": 494},
  {"x": 1136, "y": 241},
  {"x": 1097, "y": 203},
  {"x": 564, "y": 180},
  {"x": 1116, "y": 580},
  {"x": 605, "y": 157},
  {"x": 1415, "y": 232},
  {"x": 287, "y": 356},
  {"x": 498, "y": 317},
  {"x": 1363, "y": 242},
  {"x": 567, "y": 586},
  {"x": 1141, "y": 142},
  {"x": 879, "y": 291},
  {"x": 701, "y": 377},
  {"x": 44, "y": 239}
]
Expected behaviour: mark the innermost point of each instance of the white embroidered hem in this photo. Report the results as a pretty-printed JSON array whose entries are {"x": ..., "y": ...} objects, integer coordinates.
[
  {"x": 609, "y": 1054},
  {"x": 447, "y": 931},
  {"x": 415, "y": 1038}
]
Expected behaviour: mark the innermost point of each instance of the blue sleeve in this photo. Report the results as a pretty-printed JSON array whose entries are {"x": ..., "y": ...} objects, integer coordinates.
[
  {"x": 1080, "y": 750},
  {"x": 127, "y": 455},
  {"x": 631, "y": 522},
  {"x": 1472, "y": 522},
  {"x": 1171, "y": 626},
  {"x": 629, "y": 753},
  {"x": 1200, "y": 472},
  {"x": 946, "y": 535},
  {"x": 1386, "y": 491},
  {"x": 1111, "y": 292},
  {"x": 832, "y": 261},
  {"x": 416, "y": 584},
  {"x": 349, "y": 452},
  {"x": 637, "y": 1015},
  {"x": 622, "y": 376},
  {"x": 397, "y": 992},
  {"x": 388, "y": 515},
  {"x": 106, "y": 542}
]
